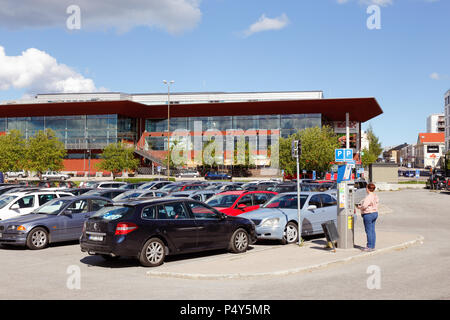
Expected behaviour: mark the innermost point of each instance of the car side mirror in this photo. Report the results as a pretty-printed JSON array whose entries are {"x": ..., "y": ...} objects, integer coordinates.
[
  {"x": 68, "y": 213},
  {"x": 312, "y": 207},
  {"x": 241, "y": 206},
  {"x": 15, "y": 206}
]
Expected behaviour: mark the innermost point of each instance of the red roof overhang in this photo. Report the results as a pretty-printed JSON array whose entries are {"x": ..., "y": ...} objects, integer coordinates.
[{"x": 359, "y": 109}]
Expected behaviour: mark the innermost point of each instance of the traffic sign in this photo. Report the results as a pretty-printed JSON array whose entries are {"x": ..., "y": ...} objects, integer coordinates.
[{"x": 343, "y": 155}]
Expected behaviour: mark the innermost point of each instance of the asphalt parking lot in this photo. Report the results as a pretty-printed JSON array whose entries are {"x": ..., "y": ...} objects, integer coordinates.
[{"x": 418, "y": 270}]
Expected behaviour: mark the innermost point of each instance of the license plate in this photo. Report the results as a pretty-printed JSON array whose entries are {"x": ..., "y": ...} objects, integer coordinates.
[{"x": 96, "y": 238}]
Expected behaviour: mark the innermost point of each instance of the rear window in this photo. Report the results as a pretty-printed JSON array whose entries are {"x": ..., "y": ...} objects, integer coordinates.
[{"x": 113, "y": 212}]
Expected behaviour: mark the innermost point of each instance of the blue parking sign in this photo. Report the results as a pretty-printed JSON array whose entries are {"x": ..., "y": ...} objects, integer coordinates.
[
  {"x": 339, "y": 155},
  {"x": 343, "y": 155}
]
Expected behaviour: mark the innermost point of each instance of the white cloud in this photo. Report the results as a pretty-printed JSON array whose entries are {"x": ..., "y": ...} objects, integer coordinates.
[
  {"x": 174, "y": 16},
  {"x": 36, "y": 71},
  {"x": 265, "y": 24},
  {"x": 437, "y": 76}
]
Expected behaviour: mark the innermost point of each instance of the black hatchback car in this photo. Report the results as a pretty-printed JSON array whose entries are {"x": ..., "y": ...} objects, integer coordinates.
[{"x": 150, "y": 230}]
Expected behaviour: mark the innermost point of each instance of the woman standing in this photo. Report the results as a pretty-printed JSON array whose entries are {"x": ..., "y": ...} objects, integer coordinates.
[{"x": 369, "y": 213}]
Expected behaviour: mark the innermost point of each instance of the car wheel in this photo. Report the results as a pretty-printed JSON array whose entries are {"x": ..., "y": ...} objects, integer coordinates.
[
  {"x": 290, "y": 233},
  {"x": 152, "y": 253},
  {"x": 239, "y": 241},
  {"x": 20, "y": 176},
  {"x": 37, "y": 239}
]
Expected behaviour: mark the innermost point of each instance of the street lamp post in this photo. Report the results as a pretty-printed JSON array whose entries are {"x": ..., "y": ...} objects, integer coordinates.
[{"x": 168, "y": 125}]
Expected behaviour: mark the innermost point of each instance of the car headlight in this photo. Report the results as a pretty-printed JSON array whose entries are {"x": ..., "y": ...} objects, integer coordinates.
[
  {"x": 271, "y": 222},
  {"x": 16, "y": 227}
]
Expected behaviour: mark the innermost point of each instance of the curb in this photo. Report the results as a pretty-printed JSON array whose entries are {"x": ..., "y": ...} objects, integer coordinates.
[{"x": 233, "y": 276}]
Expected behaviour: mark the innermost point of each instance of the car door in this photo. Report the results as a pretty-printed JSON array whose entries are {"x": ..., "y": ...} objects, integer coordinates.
[
  {"x": 213, "y": 229},
  {"x": 329, "y": 205},
  {"x": 242, "y": 205},
  {"x": 73, "y": 218},
  {"x": 178, "y": 226},
  {"x": 23, "y": 205},
  {"x": 312, "y": 217}
]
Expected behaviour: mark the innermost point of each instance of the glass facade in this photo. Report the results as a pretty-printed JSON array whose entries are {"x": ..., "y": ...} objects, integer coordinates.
[
  {"x": 77, "y": 132},
  {"x": 287, "y": 124}
]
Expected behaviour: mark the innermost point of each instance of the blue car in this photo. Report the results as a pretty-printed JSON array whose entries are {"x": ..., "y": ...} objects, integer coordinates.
[
  {"x": 277, "y": 219},
  {"x": 58, "y": 220},
  {"x": 210, "y": 175}
]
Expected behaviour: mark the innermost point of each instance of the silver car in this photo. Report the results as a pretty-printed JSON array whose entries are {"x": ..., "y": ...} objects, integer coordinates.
[
  {"x": 199, "y": 195},
  {"x": 278, "y": 218}
]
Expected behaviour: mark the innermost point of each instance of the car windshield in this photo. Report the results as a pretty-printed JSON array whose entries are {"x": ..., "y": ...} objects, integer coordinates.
[
  {"x": 52, "y": 207},
  {"x": 222, "y": 200},
  {"x": 112, "y": 212},
  {"x": 127, "y": 195},
  {"x": 286, "y": 201},
  {"x": 5, "y": 199}
]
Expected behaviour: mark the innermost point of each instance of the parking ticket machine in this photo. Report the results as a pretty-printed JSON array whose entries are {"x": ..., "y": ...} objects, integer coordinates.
[{"x": 346, "y": 214}]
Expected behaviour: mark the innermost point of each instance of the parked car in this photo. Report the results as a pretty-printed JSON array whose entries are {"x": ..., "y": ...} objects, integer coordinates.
[
  {"x": 134, "y": 194},
  {"x": 54, "y": 175},
  {"x": 151, "y": 230},
  {"x": 234, "y": 203},
  {"x": 131, "y": 186},
  {"x": 284, "y": 187},
  {"x": 199, "y": 195},
  {"x": 16, "y": 174},
  {"x": 22, "y": 203},
  {"x": 213, "y": 175},
  {"x": 110, "y": 185},
  {"x": 187, "y": 187},
  {"x": 188, "y": 173},
  {"x": 60, "y": 219},
  {"x": 155, "y": 185},
  {"x": 278, "y": 218},
  {"x": 106, "y": 193},
  {"x": 77, "y": 191}
]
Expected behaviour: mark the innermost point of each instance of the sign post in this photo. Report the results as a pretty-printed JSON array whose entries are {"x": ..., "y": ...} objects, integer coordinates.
[
  {"x": 296, "y": 153},
  {"x": 345, "y": 207}
]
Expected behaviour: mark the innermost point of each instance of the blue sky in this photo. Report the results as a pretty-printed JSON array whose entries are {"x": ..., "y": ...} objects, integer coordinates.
[{"x": 203, "y": 46}]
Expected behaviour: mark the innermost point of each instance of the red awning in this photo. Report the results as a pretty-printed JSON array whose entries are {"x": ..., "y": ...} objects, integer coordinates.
[{"x": 360, "y": 109}]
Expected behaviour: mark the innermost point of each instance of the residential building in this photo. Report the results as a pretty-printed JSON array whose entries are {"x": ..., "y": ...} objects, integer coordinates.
[{"x": 430, "y": 147}]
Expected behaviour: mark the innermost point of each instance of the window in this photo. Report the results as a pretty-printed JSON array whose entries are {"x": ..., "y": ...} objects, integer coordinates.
[
  {"x": 43, "y": 198},
  {"x": 261, "y": 198},
  {"x": 202, "y": 212},
  {"x": 328, "y": 200},
  {"x": 172, "y": 211},
  {"x": 315, "y": 201},
  {"x": 149, "y": 213},
  {"x": 26, "y": 202},
  {"x": 79, "y": 206},
  {"x": 246, "y": 200},
  {"x": 97, "y": 204}
]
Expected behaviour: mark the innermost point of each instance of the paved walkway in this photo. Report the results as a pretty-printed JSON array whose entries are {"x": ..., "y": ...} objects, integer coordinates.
[{"x": 281, "y": 260}]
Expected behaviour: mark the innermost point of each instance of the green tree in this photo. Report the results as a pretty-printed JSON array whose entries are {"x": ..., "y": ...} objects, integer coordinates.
[
  {"x": 44, "y": 151},
  {"x": 117, "y": 157},
  {"x": 371, "y": 155},
  {"x": 318, "y": 145},
  {"x": 12, "y": 151}
]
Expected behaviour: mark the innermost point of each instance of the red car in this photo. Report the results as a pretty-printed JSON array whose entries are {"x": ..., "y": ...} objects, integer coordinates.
[{"x": 234, "y": 203}]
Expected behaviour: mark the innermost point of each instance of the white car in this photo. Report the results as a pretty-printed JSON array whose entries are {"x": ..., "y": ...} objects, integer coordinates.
[
  {"x": 54, "y": 175},
  {"x": 21, "y": 203},
  {"x": 109, "y": 185},
  {"x": 188, "y": 173},
  {"x": 16, "y": 174}
]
